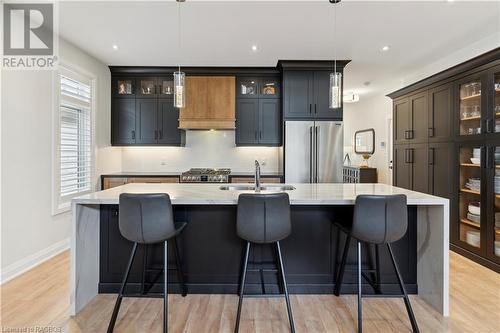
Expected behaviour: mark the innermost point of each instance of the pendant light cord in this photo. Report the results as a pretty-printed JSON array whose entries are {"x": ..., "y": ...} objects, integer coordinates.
[
  {"x": 179, "y": 30},
  {"x": 335, "y": 38}
]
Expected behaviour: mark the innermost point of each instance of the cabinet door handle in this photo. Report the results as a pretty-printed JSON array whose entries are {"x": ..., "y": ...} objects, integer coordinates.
[
  {"x": 156, "y": 135},
  {"x": 315, "y": 109},
  {"x": 432, "y": 152},
  {"x": 260, "y": 135},
  {"x": 410, "y": 134},
  {"x": 161, "y": 134},
  {"x": 489, "y": 157},
  {"x": 133, "y": 135},
  {"x": 407, "y": 159},
  {"x": 432, "y": 132},
  {"x": 310, "y": 108},
  {"x": 489, "y": 123}
]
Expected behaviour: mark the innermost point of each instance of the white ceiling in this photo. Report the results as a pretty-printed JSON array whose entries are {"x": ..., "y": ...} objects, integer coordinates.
[{"x": 222, "y": 33}]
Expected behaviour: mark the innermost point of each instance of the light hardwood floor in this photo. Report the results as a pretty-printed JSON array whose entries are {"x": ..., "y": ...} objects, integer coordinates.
[{"x": 40, "y": 298}]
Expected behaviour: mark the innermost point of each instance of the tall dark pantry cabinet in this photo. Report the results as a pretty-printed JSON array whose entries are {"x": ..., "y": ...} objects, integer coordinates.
[{"x": 447, "y": 143}]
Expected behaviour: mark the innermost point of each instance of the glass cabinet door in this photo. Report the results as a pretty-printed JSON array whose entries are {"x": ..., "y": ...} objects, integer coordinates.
[
  {"x": 496, "y": 100},
  {"x": 470, "y": 196},
  {"x": 248, "y": 87},
  {"x": 166, "y": 87},
  {"x": 146, "y": 87},
  {"x": 269, "y": 88},
  {"x": 123, "y": 87},
  {"x": 470, "y": 107}
]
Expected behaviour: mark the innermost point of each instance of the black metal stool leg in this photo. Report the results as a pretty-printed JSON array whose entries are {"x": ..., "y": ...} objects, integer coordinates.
[
  {"x": 112, "y": 322},
  {"x": 242, "y": 288},
  {"x": 180, "y": 272},
  {"x": 338, "y": 283},
  {"x": 377, "y": 264},
  {"x": 165, "y": 287},
  {"x": 144, "y": 268},
  {"x": 413, "y": 321},
  {"x": 287, "y": 298},
  {"x": 360, "y": 303}
]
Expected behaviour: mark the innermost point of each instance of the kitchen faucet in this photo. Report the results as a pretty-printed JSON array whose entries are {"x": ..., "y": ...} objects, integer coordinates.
[{"x": 257, "y": 176}]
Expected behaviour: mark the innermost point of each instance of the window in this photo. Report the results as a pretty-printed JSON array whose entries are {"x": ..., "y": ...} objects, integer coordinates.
[{"x": 74, "y": 146}]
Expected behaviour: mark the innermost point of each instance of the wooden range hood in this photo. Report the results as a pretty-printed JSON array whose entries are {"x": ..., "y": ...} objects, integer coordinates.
[{"x": 210, "y": 103}]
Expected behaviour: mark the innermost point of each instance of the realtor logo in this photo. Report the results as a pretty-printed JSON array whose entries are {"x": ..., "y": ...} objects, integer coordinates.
[{"x": 29, "y": 36}]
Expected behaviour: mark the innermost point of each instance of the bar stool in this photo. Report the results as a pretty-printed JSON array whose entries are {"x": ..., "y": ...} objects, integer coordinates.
[
  {"x": 148, "y": 219},
  {"x": 264, "y": 219},
  {"x": 378, "y": 220}
]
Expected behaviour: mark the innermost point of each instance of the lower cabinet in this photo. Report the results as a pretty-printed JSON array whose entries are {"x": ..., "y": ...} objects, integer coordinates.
[
  {"x": 424, "y": 168},
  {"x": 110, "y": 181}
]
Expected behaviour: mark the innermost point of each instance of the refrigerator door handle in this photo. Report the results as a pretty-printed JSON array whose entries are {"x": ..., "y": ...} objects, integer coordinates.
[
  {"x": 310, "y": 154},
  {"x": 316, "y": 128}
]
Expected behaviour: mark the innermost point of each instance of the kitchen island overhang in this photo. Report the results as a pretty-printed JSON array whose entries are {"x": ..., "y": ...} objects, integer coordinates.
[{"x": 210, "y": 213}]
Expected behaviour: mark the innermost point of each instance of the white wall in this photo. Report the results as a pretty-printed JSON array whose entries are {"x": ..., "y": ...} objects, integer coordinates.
[
  {"x": 30, "y": 232},
  {"x": 370, "y": 113},
  {"x": 212, "y": 149}
]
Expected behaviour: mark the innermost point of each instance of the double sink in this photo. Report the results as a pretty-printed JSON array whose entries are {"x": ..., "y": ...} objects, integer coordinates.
[{"x": 252, "y": 188}]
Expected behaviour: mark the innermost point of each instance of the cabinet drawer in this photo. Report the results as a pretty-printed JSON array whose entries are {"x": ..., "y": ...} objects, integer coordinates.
[
  {"x": 252, "y": 180},
  {"x": 111, "y": 182},
  {"x": 157, "y": 180}
]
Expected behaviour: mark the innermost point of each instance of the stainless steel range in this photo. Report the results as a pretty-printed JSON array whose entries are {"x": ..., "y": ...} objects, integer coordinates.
[{"x": 205, "y": 175}]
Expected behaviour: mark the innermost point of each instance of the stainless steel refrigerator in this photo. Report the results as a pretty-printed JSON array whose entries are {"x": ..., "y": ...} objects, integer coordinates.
[{"x": 313, "y": 151}]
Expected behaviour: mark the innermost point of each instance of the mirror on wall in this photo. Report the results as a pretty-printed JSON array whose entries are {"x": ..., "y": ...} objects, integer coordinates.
[{"x": 364, "y": 144}]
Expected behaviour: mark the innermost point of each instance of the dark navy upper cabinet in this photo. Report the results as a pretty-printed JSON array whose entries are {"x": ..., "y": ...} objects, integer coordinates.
[
  {"x": 145, "y": 121},
  {"x": 269, "y": 122},
  {"x": 298, "y": 94},
  {"x": 258, "y": 111},
  {"x": 306, "y": 86},
  {"x": 143, "y": 113},
  {"x": 123, "y": 121},
  {"x": 247, "y": 117},
  {"x": 168, "y": 124}
]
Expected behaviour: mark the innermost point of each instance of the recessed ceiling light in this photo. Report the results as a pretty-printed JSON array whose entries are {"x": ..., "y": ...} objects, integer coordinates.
[
  {"x": 385, "y": 48},
  {"x": 115, "y": 47},
  {"x": 254, "y": 48}
]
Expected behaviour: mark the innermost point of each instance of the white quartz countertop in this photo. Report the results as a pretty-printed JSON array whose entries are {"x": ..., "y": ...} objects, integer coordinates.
[{"x": 304, "y": 194}]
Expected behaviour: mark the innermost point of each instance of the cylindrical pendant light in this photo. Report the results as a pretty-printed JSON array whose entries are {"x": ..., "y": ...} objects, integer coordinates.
[
  {"x": 179, "y": 77},
  {"x": 335, "y": 92},
  {"x": 179, "y": 89}
]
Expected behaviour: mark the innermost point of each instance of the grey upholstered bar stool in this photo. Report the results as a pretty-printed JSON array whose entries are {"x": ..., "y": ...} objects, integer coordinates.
[
  {"x": 148, "y": 219},
  {"x": 379, "y": 220},
  {"x": 264, "y": 219}
]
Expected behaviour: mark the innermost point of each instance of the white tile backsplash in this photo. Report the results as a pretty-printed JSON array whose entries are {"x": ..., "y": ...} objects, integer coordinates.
[{"x": 204, "y": 149}]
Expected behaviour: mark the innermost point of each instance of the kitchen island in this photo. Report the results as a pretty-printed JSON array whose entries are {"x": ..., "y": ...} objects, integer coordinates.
[{"x": 212, "y": 253}]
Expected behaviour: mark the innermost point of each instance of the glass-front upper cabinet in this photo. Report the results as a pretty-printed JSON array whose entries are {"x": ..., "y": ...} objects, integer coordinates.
[
  {"x": 471, "y": 159},
  {"x": 123, "y": 87},
  {"x": 248, "y": 87},
  {"x": 496, "y": 100},
  {"x": 269, "y": 88},
  {"x": 166, "y": 87},
  {"x": 470, "y": 107},
  {"x": 258, "y": 87},
  {"x": 495, "y": 243},
  {"x": 146, "y": 87}
]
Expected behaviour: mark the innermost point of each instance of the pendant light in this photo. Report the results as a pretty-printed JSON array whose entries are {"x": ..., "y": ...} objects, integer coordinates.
[
  {"x": 179, "y": 77},
  {"x": 335, "y": 92}
]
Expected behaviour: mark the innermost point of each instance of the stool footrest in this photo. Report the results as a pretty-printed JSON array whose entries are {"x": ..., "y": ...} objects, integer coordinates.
[
  {"x": 382, "y": 296},
  {"x": 263, "y": 269},
  {"x": 263, "y": 295},
  {"x": 149, "y": 295}
]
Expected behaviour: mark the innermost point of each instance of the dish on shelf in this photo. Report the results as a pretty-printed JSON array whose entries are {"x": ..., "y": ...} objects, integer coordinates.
[
  {"x": 475, "y": 208},
  {"x": 473, "y": 237},
  {"x": 474, "y": 218},
  {"x": 476, "y": 152},
  {"x": 497, "y": 248},
  {"x": 475, "y": 160}
]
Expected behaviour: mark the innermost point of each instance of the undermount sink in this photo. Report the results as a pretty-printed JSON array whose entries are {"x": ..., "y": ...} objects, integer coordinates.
[{"x": 252, "y": 188}]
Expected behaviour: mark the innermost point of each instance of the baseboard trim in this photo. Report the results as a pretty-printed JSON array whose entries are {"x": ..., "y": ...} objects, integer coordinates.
[{"x": 21, "y": 266}]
